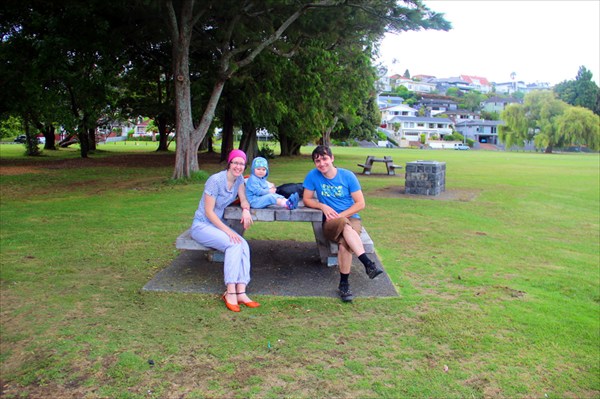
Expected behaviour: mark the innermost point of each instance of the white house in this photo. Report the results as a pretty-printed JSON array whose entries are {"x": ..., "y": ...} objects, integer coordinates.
[
  {"x": 410, "y": 128},
  {"x": 396, "y": 110},
  {"x": 419, "y": 87}
]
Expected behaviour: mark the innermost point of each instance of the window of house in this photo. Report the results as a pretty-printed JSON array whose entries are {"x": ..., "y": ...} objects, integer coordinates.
[
  {"x": 493, "y": 130},
  {"x": 432, "y": 125},
  {"x": 420, "y": 124}
]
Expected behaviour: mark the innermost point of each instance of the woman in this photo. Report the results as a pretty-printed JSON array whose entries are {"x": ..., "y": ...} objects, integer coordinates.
[{"x": 208, "y": 228}]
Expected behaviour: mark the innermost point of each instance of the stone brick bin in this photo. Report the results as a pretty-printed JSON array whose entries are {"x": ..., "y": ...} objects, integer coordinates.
[{"x": 425, "y": 177}]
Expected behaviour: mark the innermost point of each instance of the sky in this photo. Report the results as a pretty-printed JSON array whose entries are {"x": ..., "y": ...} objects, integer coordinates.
[{"x": 541, "y": 41}]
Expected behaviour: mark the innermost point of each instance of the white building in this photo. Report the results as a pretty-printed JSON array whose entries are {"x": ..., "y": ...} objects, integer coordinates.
[{"x": 410, "y": 128}]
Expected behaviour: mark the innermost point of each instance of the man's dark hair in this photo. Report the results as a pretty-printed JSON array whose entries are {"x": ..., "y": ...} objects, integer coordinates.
[{"x": 321, "y": 150}]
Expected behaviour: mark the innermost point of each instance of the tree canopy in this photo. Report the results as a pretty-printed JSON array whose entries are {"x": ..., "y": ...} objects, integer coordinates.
[
  {"x": 548, "y": 122},
  {"x": 582, "y": 91},
  {"x": 171, "y": 60}
]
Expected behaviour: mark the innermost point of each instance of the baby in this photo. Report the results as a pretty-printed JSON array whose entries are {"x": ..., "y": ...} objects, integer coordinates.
[{"x": 262, "y": 193}]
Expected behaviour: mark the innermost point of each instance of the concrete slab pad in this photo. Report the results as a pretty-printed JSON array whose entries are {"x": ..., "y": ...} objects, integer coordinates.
[{"x": 280, "y": 268}]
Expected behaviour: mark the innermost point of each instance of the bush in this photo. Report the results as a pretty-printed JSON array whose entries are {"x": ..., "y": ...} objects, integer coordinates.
[{"x": 266, "y": 152}]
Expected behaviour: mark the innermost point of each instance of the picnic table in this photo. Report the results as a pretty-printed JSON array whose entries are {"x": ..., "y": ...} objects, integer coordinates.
[
  {"x": 389, "y": 164},
  {"x": 233, "y": 213}
]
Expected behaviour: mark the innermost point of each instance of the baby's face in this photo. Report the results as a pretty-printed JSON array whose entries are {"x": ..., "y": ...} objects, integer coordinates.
[{"x": 260, "y": 172}]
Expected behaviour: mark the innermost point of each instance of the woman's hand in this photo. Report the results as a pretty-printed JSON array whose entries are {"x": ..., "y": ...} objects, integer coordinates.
[
  {"x": 233, "y": 236},
  {"x": 246, "y": 219}
]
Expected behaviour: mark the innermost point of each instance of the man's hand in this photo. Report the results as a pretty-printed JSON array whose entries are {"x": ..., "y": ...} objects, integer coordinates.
[{"x": 329, "y": 212}]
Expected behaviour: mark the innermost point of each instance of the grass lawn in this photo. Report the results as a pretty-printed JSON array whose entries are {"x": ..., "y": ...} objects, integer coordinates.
[{"x": 499, "y": 289}]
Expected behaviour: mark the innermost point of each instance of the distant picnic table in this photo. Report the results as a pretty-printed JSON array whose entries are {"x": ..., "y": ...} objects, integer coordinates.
[{"x": 387, "y": 160}]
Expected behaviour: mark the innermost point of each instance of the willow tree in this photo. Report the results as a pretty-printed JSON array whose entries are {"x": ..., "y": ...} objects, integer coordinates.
[
  {"x": 534, "y": 120},
  {"x": 580, "y": 126}
]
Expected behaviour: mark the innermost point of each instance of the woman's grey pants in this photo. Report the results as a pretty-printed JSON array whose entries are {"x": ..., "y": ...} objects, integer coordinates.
[{"x": 236, "y": 267}]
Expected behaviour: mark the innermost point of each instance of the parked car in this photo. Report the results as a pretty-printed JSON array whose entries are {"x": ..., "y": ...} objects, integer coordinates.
[{"x": 461, "y": 147}]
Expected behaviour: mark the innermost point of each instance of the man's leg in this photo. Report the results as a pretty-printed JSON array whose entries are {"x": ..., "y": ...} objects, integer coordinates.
[
  {"x": 345, "y": 264},
  {"x": 352, "y": 237}
]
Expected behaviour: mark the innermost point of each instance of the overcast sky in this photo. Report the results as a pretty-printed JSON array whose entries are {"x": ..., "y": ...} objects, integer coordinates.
[{"x": 541, "y": 41}]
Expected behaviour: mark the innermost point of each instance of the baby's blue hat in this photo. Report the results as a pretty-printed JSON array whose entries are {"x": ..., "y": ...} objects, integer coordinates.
[{"x": 260, "y": 162}]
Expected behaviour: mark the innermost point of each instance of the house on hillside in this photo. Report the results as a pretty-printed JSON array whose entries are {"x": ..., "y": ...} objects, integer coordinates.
[
  {"x": 480, "y": 131},
  {"x": 419, "y": 87},
  {"x": 443, "y": 84},
  {"x": 497, "y": 104},
  {"x": 510, "y": 87},
  {"x": 398, "y": 110},
  {"x": 386, "y": 101},
  {"x": 410, "y": 128},
  {"x": 434, "y": 106},
  {"x": 478, "y": 83},
  {"x": 520, "y": 86},
  {"x": 423, "y": 78},
  {"x": 460, "y": 115}
]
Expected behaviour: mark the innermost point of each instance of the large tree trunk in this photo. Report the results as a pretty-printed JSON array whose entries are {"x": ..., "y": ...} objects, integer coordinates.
[
  {"x": 288, "y": 146},
  {"x": 84, "y": 145},
  {"x": 327, "y": 134},
  {"x": 50, "y": 135},
  {"x": 227, "y": 133},
  {"x": 249, "y": 141},
  {"x": 163, "y": 134},
  {"x": 92, "y": 138}
]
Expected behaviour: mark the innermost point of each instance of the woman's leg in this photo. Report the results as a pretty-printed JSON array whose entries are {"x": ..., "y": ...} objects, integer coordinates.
[{"x": 236, "y": 268}]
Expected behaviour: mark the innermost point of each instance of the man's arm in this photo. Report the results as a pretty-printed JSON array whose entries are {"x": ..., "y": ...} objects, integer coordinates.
[
  {"x": 308, "y": 197},
  {"x": 359, "y": 204}
]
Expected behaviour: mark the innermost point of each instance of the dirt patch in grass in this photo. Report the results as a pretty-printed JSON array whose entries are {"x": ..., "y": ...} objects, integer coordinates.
[
  {"x": 448, "y": 195},
  {"x": 146, "y": 160},
  {"x": 18, "y": 170}
]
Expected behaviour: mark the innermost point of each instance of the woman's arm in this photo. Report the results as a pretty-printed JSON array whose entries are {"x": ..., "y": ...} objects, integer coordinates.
[{"x": 246, "y": 216}]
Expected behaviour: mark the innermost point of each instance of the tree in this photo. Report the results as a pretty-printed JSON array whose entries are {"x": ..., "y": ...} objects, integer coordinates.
[
  {"x": 579, "y": 126},
  {"x": 71, "y": 63},
  {"x": 406, "y": 74},
  {"x": 240, "y": 31},
  {"x": 582, "y": 91},
  {"x": 535, "y": 119}
]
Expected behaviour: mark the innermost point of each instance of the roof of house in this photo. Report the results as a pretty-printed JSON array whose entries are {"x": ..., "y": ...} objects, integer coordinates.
[
  {"x": 419, "y": 119},
  {"x": 476, "y": 80},
  {"x": 399, "y": 107},
  {"x": 479, "y": 122},
  {"x": 436, "y": 101},
  {"x": 501, "y": 100}
]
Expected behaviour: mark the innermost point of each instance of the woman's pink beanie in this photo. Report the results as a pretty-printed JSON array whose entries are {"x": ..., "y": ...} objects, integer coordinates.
[{"x": 236, "y": 154}]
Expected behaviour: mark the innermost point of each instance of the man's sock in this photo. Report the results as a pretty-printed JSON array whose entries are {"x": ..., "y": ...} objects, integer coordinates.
[
  {"x": 365, "y": 259},
  {"x": 344, "y": 278}
]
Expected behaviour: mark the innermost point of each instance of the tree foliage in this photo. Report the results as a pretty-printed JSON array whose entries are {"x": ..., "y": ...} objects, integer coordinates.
[
  {"x": 582, "y": 91},
  {"x": 548, "y": 122}
]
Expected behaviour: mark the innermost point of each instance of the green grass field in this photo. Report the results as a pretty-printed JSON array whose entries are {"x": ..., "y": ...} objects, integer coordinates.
[{"x": 499, "y": 286}]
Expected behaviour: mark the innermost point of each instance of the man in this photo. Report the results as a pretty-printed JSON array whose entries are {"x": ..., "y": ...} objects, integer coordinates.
[{"x": 340, "y": 197}]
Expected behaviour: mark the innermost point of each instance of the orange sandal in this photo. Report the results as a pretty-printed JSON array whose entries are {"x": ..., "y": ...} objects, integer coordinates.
[
  {"x": 230, "y": 306},
  {"x": 250, "y": 304}
]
